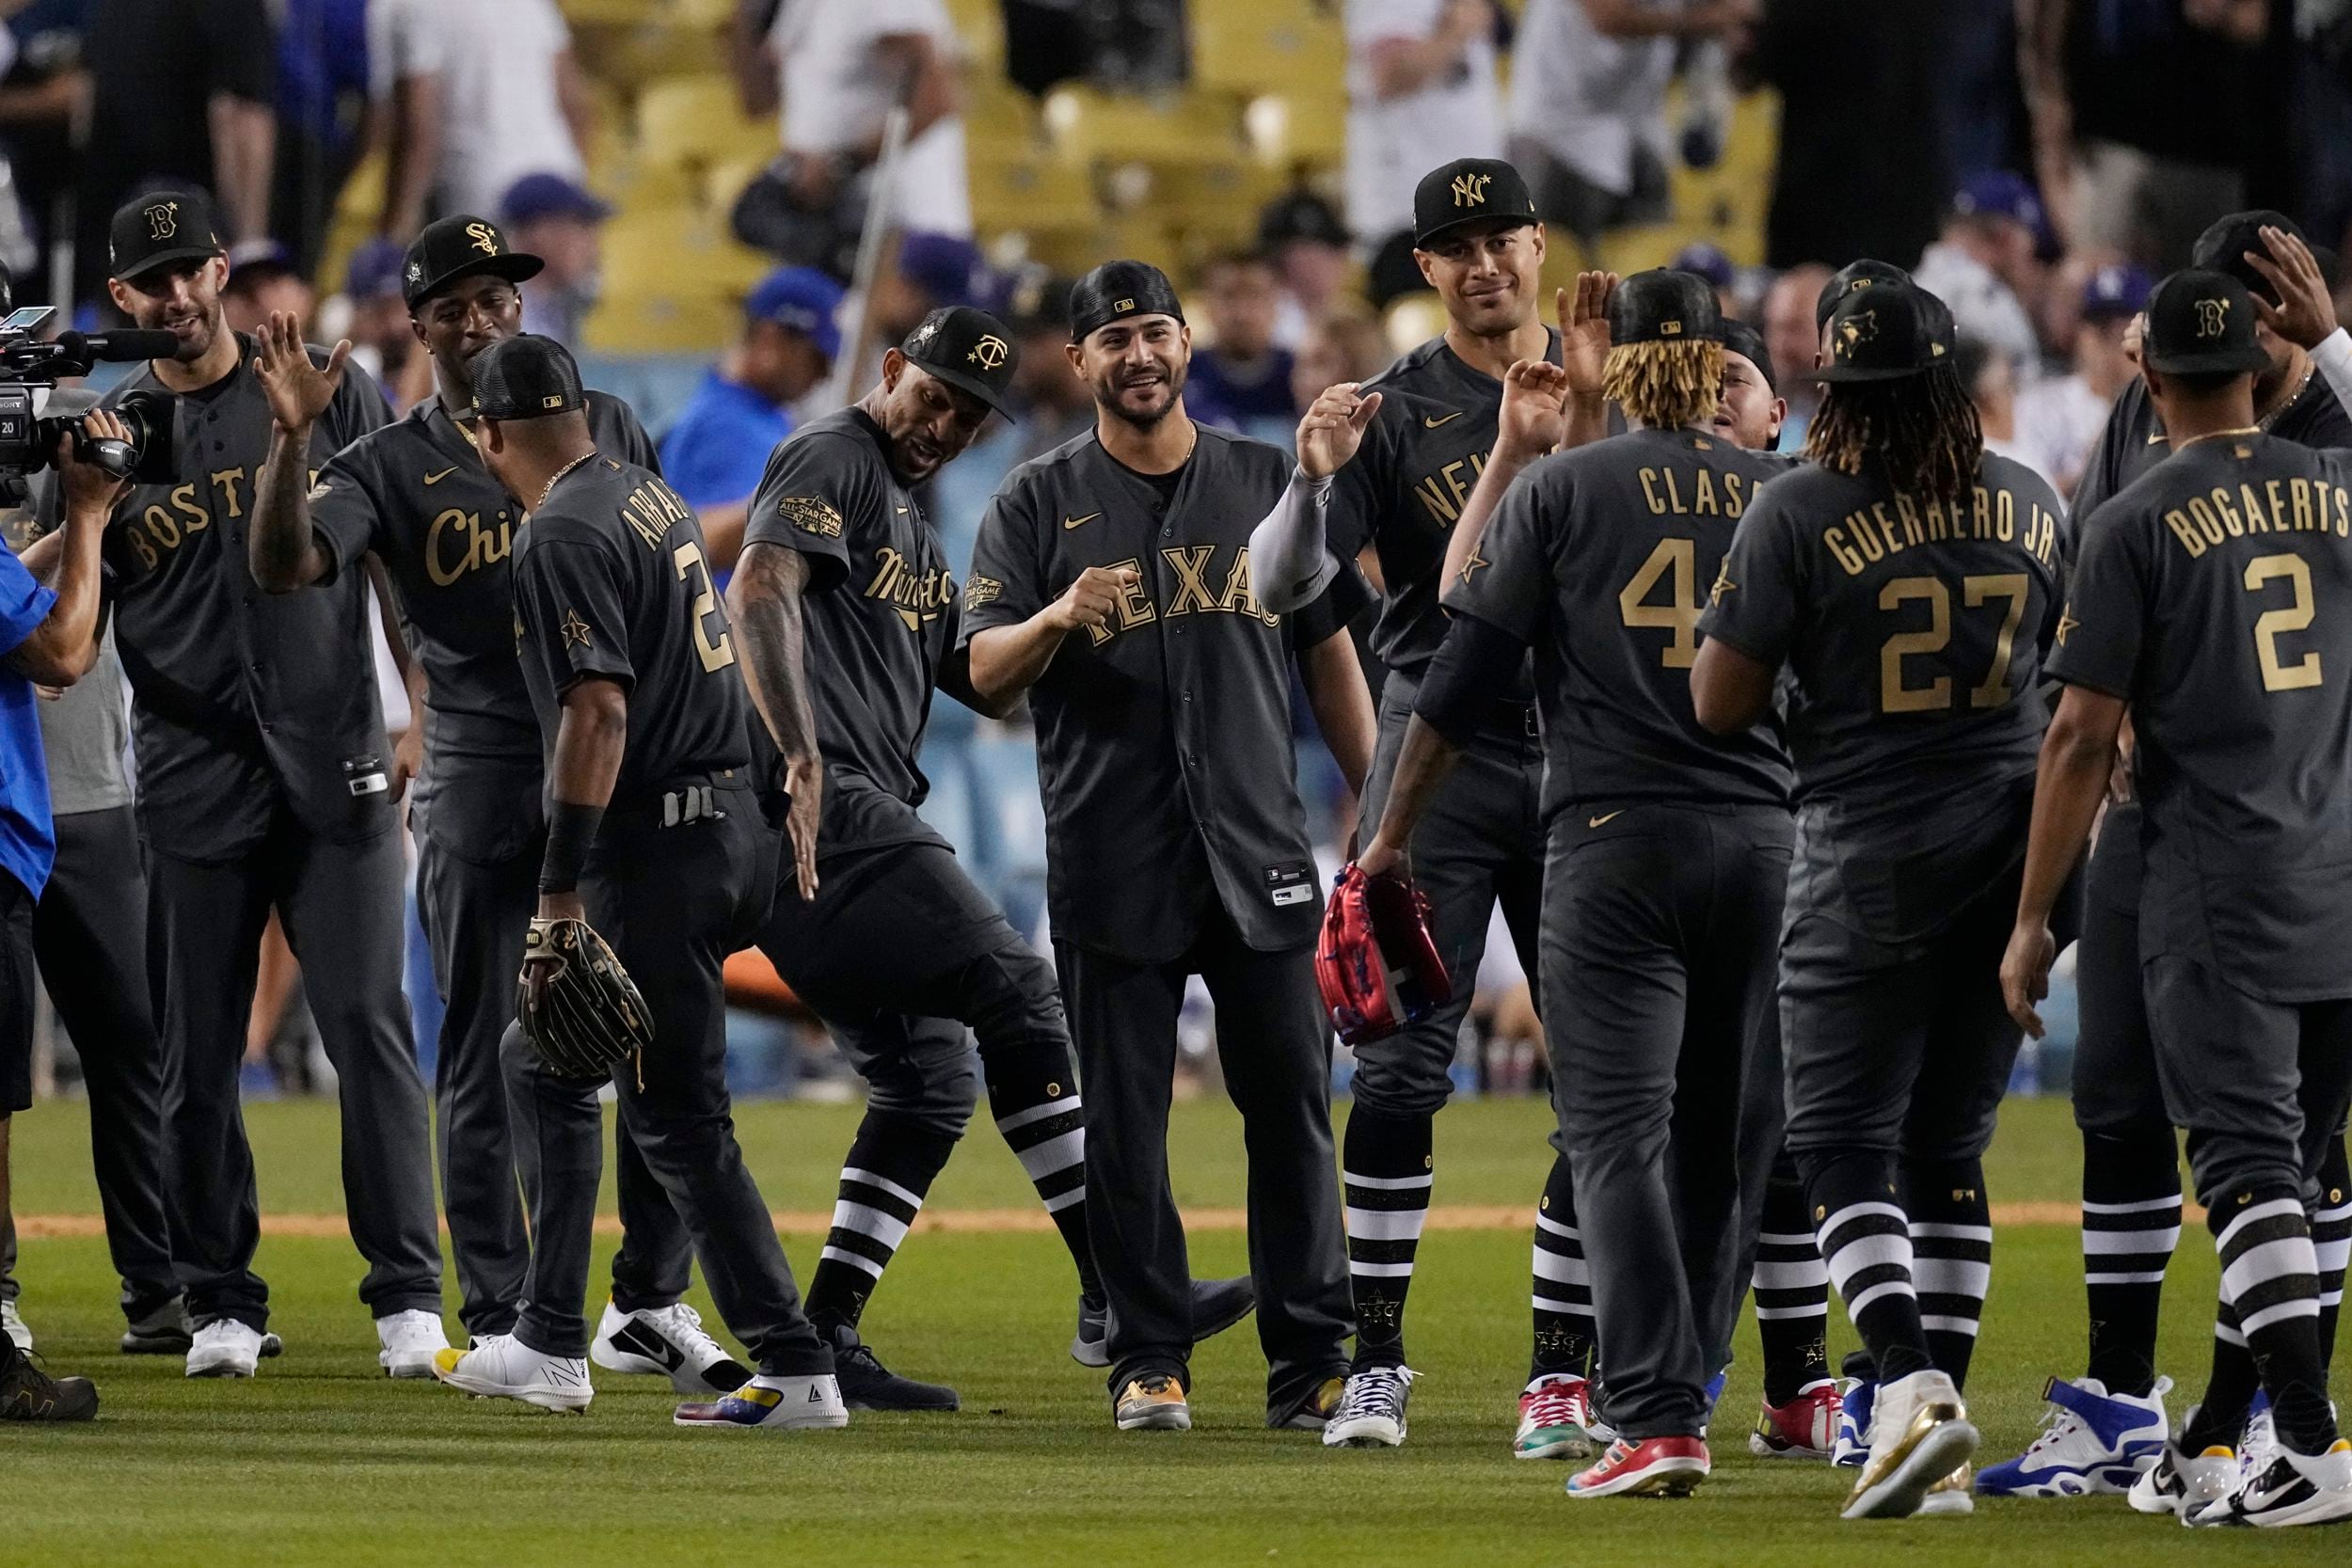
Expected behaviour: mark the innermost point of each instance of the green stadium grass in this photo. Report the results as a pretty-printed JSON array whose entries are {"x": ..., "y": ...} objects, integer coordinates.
[{"x": 322, "y": 1461}]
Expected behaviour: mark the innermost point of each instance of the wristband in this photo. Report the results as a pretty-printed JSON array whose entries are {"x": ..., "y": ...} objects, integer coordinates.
[{"x": 571, "y": 832}]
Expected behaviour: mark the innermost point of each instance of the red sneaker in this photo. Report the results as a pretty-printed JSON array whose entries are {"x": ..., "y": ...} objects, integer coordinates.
[
  {"x": 1804, "y": 1428},
  {"x": 1653, "y": 1467}
]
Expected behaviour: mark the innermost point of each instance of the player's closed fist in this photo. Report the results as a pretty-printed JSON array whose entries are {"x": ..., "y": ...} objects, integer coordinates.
[
  {"x": 1093, "y": 599},
  {"x": 1334, "y": 428}
]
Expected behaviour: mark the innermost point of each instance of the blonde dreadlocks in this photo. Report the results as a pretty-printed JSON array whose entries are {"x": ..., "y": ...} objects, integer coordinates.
[{"x": 1668, "y": 385}]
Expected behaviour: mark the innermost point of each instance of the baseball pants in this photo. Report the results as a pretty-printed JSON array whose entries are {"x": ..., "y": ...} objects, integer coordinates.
[
  {"x": 1275, "y": 1047},
  {"x": 2117, "y": 1091},
  {"x": 90, "y": 938},
  {"x": 475, "y": 915},
  {"x": 343, "y": 911},
  {"x": 1481, "y": 840},
  {"x": 1659, "y": 939},
  {"x": 673, "y": 902}
]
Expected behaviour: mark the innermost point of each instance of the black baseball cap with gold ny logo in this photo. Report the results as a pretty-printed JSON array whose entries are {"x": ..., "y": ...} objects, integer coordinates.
[
  {"x": 458, "y": 247},
  {"x": 968, "y": 349},
  {"x": 1469, "y": 190},
  {"x": 160, "y": 227}
]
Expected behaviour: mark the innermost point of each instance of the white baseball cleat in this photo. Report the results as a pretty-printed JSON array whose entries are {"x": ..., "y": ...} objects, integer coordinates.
[
  {"x": 666, "y": 1342},
  {"x": 1920, "y": 1435},
  {"x": 227, "y": 1348},
  {"x": 2181, "y": 1482},
  {"x": 772, "y": 1404},
  {"x": 502, "y": 1367},
  {"x": 409, "y": 1340},
  {"x": 2293, "y": 1489}
]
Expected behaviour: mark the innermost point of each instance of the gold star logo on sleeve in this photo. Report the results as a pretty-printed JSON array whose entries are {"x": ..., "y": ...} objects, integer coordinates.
[
  {"x": 2066, "y": 623},
  {"x": 574, "y": 629},
  {"x": 1723, "y": 584},
  {"x": 1470, "y": 567}
]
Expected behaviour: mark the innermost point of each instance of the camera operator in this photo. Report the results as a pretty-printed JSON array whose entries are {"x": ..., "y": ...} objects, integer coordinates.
[
  {"x": 263, "y": 783},
  {"x": 48, "y": 636}
]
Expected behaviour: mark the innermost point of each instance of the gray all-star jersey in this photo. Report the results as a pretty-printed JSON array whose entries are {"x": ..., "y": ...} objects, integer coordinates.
[
  {"x": 611, "y": 582},
  {"x": 417, "y": 496},
  {"x": 2215, "y": 595},
  {"x": 1405, "y": 488},
  {"x": 2134, "y": 442},
  {"x": 881, "y": 614},
  {"x": 1915, "y": 627},
  {"x": 245, "y": 701},
  {"x": 1164, "y": 739},
  {"x": 1600, "y": 558}
]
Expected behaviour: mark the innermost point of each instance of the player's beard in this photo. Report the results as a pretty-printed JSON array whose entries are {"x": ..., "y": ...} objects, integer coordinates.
[
  {"x": 1111, "y": 398},
  {"x": 209, "y": 324}
]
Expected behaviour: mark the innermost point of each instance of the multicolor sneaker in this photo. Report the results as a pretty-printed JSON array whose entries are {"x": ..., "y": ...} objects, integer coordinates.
[
  {"x": 767, "y": 1404},
  {"x": 2091, "y": 1443},
  {"x": 1804, "y": 1428},
  {"x": 1372, "y": 1410},
  {"x": 1919, "y": 1435},
  {"x": 1650, "y": 1467},
  {"x": 2180, "y": 1484},
  {"x": 2258, "y": 1445},
  {"x": 1555, "y": 1419},
  {"x": 1152, "y": 1404},
  {"x": 2295, "y": 1489},
  {"x": 499, "y": 1366},
  {"x": 1856, "y": 1396}
]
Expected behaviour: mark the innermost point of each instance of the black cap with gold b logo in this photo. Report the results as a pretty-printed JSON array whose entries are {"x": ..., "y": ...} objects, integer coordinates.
[
  {"x": 1469, "y": 190},
  {"x": 160, "y": 227},
  {"x": 456, "y": 247},
  {"x": 2201, "y": 322},
  {"x": 968, "y": 349}
]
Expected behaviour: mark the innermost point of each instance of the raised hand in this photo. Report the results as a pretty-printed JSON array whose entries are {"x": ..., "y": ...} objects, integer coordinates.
[
  {"x": 1584, "y": 332},
  {"x": 1535, "y": 416},
  {"x": 2306, "y": 313},
  {"x": 1093, "y": 599},
  {"x": 1333, "y": 429},
  {"x": 298, "y": 391}
]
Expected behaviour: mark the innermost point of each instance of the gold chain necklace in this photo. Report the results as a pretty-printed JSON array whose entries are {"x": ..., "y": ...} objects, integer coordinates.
[
  {"x": 558, "y": 475},
  {"x": 2219, "y": 435}
]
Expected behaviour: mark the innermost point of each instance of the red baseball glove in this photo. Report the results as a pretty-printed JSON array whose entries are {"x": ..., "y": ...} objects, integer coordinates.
[{"x": 1376, "y": 964}]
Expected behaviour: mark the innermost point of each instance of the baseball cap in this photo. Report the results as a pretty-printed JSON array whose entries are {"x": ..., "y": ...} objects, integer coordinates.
[
  {"x": 1705, "y": 260},
  {"x": 1298, "y": 215},
  {"x": 1884, "y": 333},
  {"x": 2201, "y": 321},
  {"x": 2223, "y": 247},
  {"x": 2000, "y": 194},
  {"x": 374, "y": 271},
  {"x": 254, "y": 261},
  {"x": 968, "y": 349},
  {"x": 1469, "y": 190},
  {"x": 550, "y": 195},
  {"x": 457, "y": 247},
  {"x": 526, "y": 377},
  {"x": 948, "y": 267},
  {"x": 1864, "y": 274},
  {"x": 1748, "y": 343},
  {"x": 802, "y": 299},
  {"x": 2114, "y": 292},
  {"x": 160, "y": 227},
  {"x": 1664, "y": 306},
  {"x": 1116, "y": 291}
]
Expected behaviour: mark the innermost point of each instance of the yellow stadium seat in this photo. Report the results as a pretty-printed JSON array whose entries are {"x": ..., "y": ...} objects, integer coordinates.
[
  {"x": 636, "y": 184},
  {"x": 630, "y": 54},
  {"x": 681, "y": 250},
  {"x": 1306, "y": 128},
  {"x": 1087, "y": 126},
  {"x": 1032, "y": 191},
  {"x": 1413, "y": 321},
  {"x": 692, "y": 15},
  {"x": 980, "y": 30},
  {"x": 697, "y": 121},
  {"x": 635, "y": 322},
  {"x": 1265, "y": 46}
]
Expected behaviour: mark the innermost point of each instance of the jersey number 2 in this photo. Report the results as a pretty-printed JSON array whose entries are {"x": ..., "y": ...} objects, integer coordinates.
[
  {"x": 1993, "y": 691},
  {"x": 1681, "y": 616},
  {"x": 2270, "y": 623},
  {"x": 715, "y": 655}
]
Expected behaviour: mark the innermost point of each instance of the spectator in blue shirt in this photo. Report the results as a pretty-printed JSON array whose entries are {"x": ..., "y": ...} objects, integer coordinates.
[
  {"x": 48, "y": 636},
  {"x": 1241, "y": 381},
  {"x": 714, "y": 453}
]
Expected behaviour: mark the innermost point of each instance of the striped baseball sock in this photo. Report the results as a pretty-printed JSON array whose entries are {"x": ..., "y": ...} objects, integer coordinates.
[
  {"x": 1033, "y": 1095},
  {"x": 1951, "y": 1255},
  {"x": 2229, "y": 1387},
  {"x": 1866, "y": 1241},
  {"x": 2270, "y": 1275},
  {"x": 1386, "y": 1169},
  {"x": 2131, "y": 1224},
  {"x": 1567, "y": 1337},
  {"x": 2332, "y": 1242},
  {"x": 889, "y": 1170},
  {"x": 1792, "y": 1290}
]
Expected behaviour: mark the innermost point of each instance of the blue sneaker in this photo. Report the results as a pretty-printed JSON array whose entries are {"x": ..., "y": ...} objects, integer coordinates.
[
  {"x": 1856, "y": 1395},
  {"x": 2091, "y": 1442}
]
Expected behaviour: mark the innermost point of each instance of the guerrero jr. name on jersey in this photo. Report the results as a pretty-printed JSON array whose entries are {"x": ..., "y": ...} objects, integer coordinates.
[{"x": 1863, "y": 536}]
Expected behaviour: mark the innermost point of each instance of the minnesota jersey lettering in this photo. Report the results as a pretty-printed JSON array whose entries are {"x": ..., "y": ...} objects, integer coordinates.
[{"x": 917, "y": 594}]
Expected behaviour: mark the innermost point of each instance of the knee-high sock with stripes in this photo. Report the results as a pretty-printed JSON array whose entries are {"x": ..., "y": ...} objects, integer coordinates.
[
  {"x": 1033, "y": 1096},
  {"x": 1791, "y": 1289},
  {"x": 891, "y": 1164},
  {"x": 1566, "y": 1339},
  {"x": 1866, "y": 1241},
  {"x": 2131, "y": 1224},
  {"x": 2270, "y": 1287},
  {"x": 1951, "y": 1255},
  {"x": 1386, "y": 1168},
  {"x": 2331, "y": 1240}
]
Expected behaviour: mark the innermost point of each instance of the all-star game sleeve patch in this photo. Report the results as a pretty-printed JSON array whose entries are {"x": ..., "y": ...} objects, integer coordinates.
[
  {"x": 811, "y": 514},
  {"x": 979, "y": 590}
]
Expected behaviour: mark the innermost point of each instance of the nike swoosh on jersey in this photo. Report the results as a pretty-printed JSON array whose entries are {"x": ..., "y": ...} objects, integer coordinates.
[
  {"x": 1080, "y": 522},
  {"x": 1428, "y": 423},
  {"x": 1603, "y": 821},
  {"x": 436, "y": 479}
]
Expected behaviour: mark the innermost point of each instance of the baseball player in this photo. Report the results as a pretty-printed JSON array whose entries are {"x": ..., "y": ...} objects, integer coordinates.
[
  {"x": 1909, "y": 582},
  {"x": 263, "y": 783},
  {"x": 655, "y": 835},
  {"x": 415, "y": 496},
  {"x": 1113, "y": 582},
  {"x": 1432, "y": 420},
  {"x": 1668, "y": 849},
  {"x": 905, "y": 960},
  {"x": 2215, "y": 599},
  {"x": 2109, "y": 1425}
]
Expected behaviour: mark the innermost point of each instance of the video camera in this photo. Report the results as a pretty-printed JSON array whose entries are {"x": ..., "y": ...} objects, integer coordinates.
[{"x": 30, "y": 366}]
